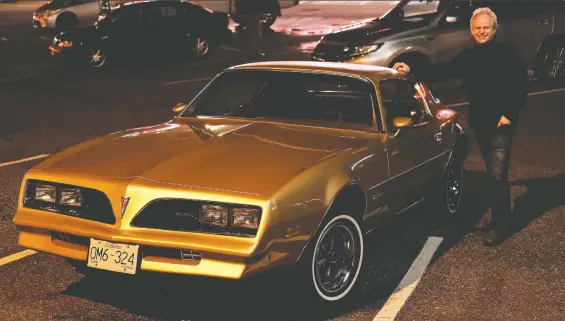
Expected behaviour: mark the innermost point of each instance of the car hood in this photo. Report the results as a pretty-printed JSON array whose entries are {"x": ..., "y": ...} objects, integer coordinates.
[
  {"x": 368, "y": 32},
  {"x": 53, "y": 5},
  {"x": 248, "y": 157}
]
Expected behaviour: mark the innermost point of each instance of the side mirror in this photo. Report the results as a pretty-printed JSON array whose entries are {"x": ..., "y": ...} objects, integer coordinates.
[
  {"x": 451, "y": 19},
  {"x": 403, "y": 122},
  {"x": 179, "y": 107}
]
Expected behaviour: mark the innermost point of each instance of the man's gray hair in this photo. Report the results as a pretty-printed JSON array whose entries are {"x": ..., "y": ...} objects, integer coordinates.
[{"x": 489, "y": 13}]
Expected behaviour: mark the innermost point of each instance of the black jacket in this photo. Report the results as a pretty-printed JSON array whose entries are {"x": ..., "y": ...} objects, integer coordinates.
[{"x": 496, "y": 81}]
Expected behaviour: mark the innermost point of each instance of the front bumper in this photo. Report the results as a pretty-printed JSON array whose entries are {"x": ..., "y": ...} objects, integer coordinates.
[{"x": 160, "y": 251}]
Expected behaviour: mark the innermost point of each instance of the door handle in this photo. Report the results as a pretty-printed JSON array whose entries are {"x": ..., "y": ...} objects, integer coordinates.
[
  {"x": 429, "y": 38},
  {"x": 438, "y": 137}
]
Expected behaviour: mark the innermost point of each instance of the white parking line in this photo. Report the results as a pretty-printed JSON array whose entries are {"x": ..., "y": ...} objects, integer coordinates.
[
  {"x": 397, "y": 300},
  {"x": 186, "y": 81},
  {"x": 24, "y": 160},
  {"x": 530, "y": 94},
  {"x": 16, "y": 256}
]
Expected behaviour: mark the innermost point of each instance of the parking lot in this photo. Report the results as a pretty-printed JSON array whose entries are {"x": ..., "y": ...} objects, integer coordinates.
[{"x": 419, "y": 269}]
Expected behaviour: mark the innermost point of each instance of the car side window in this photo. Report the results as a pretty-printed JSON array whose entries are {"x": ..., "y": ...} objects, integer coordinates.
[
  {"x": 168, "y": 12},
  {"x": 151, "y": 16},
  {"x": 404, "y": 98}
]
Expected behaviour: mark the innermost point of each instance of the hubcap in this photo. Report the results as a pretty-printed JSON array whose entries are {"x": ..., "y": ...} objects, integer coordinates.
[
  {"x": 454, "y": 187},
  {"x": 555, "y": 66},
  {"x": 97, "y": 58},
  {"x": 337, "y": 259},
  {"x": 201, "y": 47}
]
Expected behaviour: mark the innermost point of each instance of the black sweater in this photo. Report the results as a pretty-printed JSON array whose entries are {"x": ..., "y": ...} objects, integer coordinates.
[{"x": 495, "y": 79}]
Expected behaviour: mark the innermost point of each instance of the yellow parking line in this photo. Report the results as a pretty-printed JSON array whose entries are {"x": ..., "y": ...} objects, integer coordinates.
[{"x": 16, "y": 256}]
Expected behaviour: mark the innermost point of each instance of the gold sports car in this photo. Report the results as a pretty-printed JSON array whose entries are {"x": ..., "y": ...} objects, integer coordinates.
[{"x": 272, "y": 164}]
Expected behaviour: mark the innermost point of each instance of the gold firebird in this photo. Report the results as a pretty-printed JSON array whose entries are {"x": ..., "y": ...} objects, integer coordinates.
[{"x": 272, "y": 164}]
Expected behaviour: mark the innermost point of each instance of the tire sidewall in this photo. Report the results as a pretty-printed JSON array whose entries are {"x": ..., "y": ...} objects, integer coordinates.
[{"x": 310, "y": 268}]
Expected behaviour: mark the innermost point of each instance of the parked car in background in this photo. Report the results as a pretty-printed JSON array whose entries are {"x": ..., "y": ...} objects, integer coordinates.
[
  {"x": 271, "y": 8},
  {"x": 273, "y": 164},
  {"x": 426, "y": 33},
  {"x": 146, "y": 30},
  {"x": 67, "y": 14}
]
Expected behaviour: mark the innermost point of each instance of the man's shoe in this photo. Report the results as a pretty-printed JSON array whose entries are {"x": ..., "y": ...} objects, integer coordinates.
[{"x": 494, "y": 237}]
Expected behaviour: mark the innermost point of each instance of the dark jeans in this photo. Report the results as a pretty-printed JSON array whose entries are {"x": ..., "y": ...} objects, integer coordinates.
[{"x": 495, "y": 148}]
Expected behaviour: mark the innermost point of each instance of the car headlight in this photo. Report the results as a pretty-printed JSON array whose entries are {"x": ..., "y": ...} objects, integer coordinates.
[
  {"x": 71, "y": 197},
  {"x": 45, "y": 193},
  {"x": 363, "y": 50},
  {"x": 245, "y": 217},
  {"x": 65, "y": 44},
  {"x": 214, "y": 215}
]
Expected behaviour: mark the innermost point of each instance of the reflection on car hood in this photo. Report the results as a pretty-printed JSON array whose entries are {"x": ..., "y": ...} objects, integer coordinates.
[
  {"x": 249, "y": 157},
  {"x": 368, "y": 32}
]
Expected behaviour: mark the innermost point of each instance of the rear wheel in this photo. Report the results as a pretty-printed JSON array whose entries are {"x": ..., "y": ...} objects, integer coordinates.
[
  {"x": 550, "y": 66},
  {"x": 450, "y": 191},
  {"x": 201, "y": 47}
]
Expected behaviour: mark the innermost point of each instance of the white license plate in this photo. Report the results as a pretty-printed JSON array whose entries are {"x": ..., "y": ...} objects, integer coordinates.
[{"x": 113, "y": 256}]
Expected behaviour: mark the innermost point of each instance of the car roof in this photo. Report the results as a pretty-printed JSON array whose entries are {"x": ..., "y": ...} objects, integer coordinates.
[
  {"x": 140, "y": 2},
  {"x": 374, "y": 73}
]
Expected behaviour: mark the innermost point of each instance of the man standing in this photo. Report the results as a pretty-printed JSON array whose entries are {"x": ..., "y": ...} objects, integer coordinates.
[{"x": 496, "y": 82}]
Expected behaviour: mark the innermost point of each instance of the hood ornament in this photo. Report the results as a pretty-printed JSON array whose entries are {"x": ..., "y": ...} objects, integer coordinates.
[{"x": 124, "y": 205}]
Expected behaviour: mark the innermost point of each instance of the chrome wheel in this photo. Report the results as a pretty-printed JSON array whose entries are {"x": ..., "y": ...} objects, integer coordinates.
[
  {"x": 555, "y": 61},
  {"x": 96, "y": 58},
  {"x": 337, "y": 258},
  {"x": 454, "y": 186},
  {"x": 201, "y": 48}
]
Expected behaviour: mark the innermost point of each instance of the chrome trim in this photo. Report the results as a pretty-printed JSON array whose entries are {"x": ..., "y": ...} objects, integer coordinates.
[
  {"x": 410, "y": 206},
  {"x": 423, "y": 163}
]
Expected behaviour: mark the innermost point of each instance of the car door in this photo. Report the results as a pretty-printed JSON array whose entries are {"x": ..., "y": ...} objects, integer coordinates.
[
  {"x": 152, "y": 30},
  {"x": 416, "y": 154},
  {"x": 524, "y": 25},
  {"x": 123, "y": 29},
  {"x": 86, "y": 11}
]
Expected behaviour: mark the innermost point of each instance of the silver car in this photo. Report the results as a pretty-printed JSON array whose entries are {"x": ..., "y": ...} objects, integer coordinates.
[
  {"x": 425, "y": 33},
  {"x": 67, "y": 14}
]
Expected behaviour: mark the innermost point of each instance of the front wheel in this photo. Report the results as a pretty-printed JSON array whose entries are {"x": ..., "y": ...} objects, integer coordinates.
[
  {"x": 331, "y": 267},
  {"x": 96, "y": 57}
]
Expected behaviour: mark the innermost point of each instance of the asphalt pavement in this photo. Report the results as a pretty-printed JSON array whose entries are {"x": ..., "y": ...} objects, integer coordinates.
[{"x": 53, "y": 108}]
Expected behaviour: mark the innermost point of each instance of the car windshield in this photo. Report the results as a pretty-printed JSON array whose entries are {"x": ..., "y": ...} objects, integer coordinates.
[
  {"x": 286, "y": 96},
  {"x": 415, "y": 10}
]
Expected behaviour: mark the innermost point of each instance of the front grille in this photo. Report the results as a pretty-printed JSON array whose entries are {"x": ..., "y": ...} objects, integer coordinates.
[
  {"x": 96, "y": 205},
  {"x": 182, "y": 215},
  {"x": 330, "y": 52}
]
